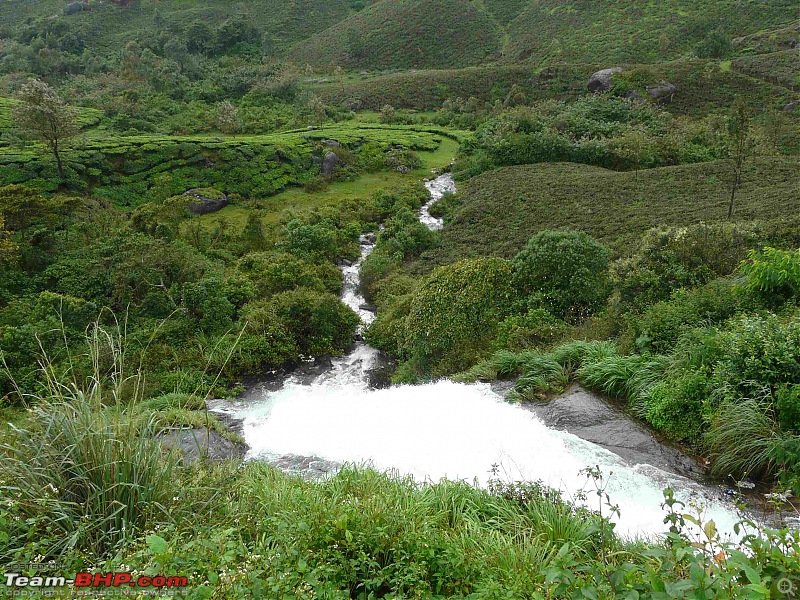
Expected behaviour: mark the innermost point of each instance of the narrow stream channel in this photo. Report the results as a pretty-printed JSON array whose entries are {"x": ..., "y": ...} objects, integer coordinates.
[{"x": 325, "y": 415}]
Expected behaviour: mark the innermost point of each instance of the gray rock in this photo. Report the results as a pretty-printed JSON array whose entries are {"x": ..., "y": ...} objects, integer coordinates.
[
  {"x": 329, "y": 163},
  {"x": 600, "y": 81},
  {"x": 201, "y": 444},
  {"x": 597, "y": 420},
  {"x": 76, "y": 7},
  {"x": 663, "y": 92},
  {"x": 331, "y": 143},
  {"x": 368, "y": 307},
  {"x": 343, "y": 262},
  {"x": 634, "y": 96},
  {"x": 791, "y": 106},
  {"x": 203, "y": 205}
]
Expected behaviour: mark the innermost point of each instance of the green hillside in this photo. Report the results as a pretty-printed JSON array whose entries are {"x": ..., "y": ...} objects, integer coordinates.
[
  {"x": 405, "y": 34},
  {"x": 632, "y": 31},
  {"x": 107, "y": 27},
  {"x": 496, "y": 213}
]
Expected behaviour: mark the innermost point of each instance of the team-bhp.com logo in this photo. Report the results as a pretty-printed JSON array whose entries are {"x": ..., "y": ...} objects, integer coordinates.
[{"x": 95, "y": 580}]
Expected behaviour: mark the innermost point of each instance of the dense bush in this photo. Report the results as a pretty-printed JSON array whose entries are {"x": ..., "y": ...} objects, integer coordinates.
[
  {"x": 563, "y": 272},
  {"x": 457, "y": 309},
  {"x": 660, "y": 326}
]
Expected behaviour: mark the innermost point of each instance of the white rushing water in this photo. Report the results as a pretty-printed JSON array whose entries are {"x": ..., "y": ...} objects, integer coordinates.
[
  {"x": 444, "y": 429},
  {"x": 437, "y": 188}
]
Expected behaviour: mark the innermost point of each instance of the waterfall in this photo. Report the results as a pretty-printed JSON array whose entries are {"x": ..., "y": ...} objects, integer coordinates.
[{"x": 443, "y": 429}]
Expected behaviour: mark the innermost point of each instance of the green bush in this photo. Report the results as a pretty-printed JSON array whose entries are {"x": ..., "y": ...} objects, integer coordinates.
[
  {"x": 319, "y": 323},
  {"x": 274, "y": 272},
  {"x": 535, "y": 329},
  {"x": 759, "y": 351},
  {"x": 659, "y": 328},
  {"x": 676, "y": 257},
  {"x": 458, "y": 304},
  {"x": 677, "y": 406},
  {"x": 774, "y": 274},
  {"x": 563, "y": 272}
]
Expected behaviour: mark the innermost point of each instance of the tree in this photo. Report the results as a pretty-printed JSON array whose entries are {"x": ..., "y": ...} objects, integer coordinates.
[
  {"x": 563, "y": 272},
  {"x": 740, "y": 145},
  {"x": 42, "y": 114},
  {"x": 8, "y": 248},
  {"x": 227, "y": 118}
]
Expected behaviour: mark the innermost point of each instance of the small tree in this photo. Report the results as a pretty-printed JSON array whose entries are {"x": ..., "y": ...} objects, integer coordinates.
[
  {"x": 45, "y": 116},
  {"x": 227, "y": 118},
  {"x": 740, "y": 146}
]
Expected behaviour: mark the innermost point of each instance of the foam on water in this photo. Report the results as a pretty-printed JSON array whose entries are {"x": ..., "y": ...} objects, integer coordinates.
[
  {"x": 444, "y": 184},
  {"x": 455, "y": 431}
]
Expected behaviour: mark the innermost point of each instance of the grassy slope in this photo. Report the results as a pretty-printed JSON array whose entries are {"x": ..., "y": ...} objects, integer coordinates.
[
  {"x": 110, "y": 27},
  {"x": 299, "y": 199},
  {"x": 87, "y": 117},
  {"x": 502, "y": 209},
  {"x": 633, "y": 30},
  {"x": 406, "y": 34},
  {"x": 703, "y": 86},
  {"x": 423, "y": 90},
  {"x": 130, "y": 169}
]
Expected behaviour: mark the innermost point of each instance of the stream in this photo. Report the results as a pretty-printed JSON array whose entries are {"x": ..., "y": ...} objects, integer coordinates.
[{"x": 327, "y": 413}]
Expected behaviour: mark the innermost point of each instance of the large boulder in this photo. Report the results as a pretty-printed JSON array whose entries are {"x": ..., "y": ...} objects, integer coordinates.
[
  {"x": 76, "y": 7},
  {"x": 329, "y": 163},
  {"x": 663, "y": 92},
  {"x": 600, "y": 81},
  {"x": 596, "y": 419},
  {"x": 206, "y": 200}
]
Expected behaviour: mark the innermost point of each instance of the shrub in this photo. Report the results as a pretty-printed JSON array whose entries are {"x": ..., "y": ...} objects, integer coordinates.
[
  {"x": 759, "y": 352},
  {"x": 774, "y": 274},
  {"x": 319, "y": 323},
  {"x": 677, "y": 257},
  {"x": 275, "y": 272},
  {"x": 659, "y": 328},
  {"x": 787, "y": 406},
  {"x": 459, "y": 304},
  {"x": 676, "y": 406},
  {"x": 563, "y": 271},
  {"x": 535, "y": 329},
  {"x": 404, "y": 236}
]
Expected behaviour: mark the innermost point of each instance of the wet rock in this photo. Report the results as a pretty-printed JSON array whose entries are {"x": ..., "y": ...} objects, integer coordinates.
[
  {"x": 367, "y": 239},
  {"x": 195, "y": 444},
  {"x": 206, "y": 200},
  {"x": 329, "y": 163},
  {"x": 343, "y": 262},
  {"x": 368, "y": 307},
  {"x": 307, "y": 467},
  {"x": 597, "y": 420},
  {"x": 600, "y": 81},
  {"x": 663, "y": 93}
]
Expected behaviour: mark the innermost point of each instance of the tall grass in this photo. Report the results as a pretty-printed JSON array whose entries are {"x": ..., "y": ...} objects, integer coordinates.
[
  {"x": 81, "y": 471},
  {"x": 377, "y": 532},
  {"x": 742, "y": 438}
]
